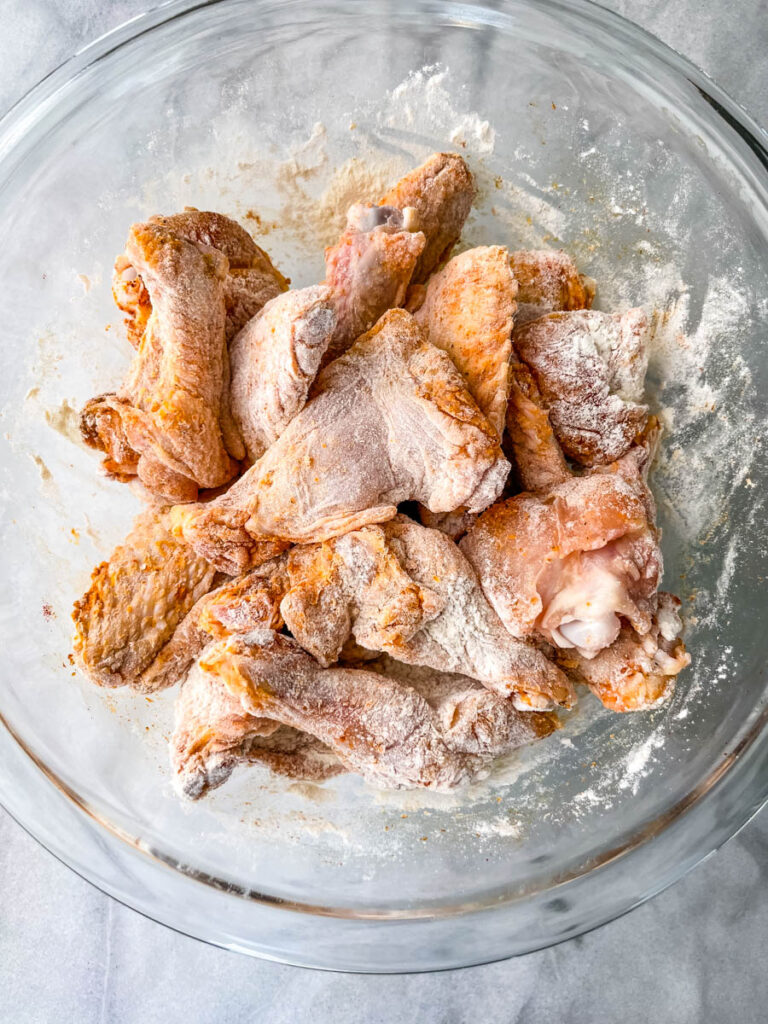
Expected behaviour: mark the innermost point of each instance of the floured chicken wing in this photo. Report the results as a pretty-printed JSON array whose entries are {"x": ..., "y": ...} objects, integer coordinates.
[
  {"x": 135, "y": 603},
  {"x": 251, "y": 279},
  {"x": 214, "y": 733},
  {"x": 637, "y": 671},
  {"x": 590, "y": 370},
  {"x": 548, "y": 280},
  {"x": 377, "y": 727},
  {"x": 569, "y": 564},
  {"x": 368, "y": 270},
  {"x": 473, "y": 720},
  {"x": 391, "y": 421},
  {"x": 167, "y": 424},
  {"x": 399, "y": 588},
  {"x": 468, "y": 312},
  {"x": 441, "y": 192},
  {"x": 530, "y": 440},
  {"x": 274, "y": 360}
]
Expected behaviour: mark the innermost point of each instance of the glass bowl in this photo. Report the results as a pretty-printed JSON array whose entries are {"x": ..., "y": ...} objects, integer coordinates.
[{"x": 584, "y": 133}]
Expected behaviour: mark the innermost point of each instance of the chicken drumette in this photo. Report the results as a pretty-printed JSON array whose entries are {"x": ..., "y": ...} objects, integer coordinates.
[
  {"x": 188, "y": 283},
  {"x": 578, "y": 564}
]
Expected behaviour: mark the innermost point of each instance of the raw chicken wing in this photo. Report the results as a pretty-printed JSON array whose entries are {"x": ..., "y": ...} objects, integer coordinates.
[
  {"x": 441, "y": 192},
  {"x": 548, "y": 280},
  {"x": 590, "y": 370},
  {"x": 377, "y": 727},
  {"x": 274, "y": 360},
  {"x": 566, "y": 565},
  {"x": 251, "y": 280},
  {"x": 167, "y": 424},
  {"x": 391, "y": 421},
  {"x": 135, "y": 603}
]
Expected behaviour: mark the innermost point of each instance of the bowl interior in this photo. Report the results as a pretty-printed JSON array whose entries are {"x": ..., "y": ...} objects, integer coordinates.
[{"x": 280, "y": 115}]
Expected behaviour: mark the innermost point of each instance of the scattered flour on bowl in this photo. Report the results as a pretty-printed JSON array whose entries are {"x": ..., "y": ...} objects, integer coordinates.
[
  {"x": 424, "y": 102},
  {"x": 636, "y": 762}
]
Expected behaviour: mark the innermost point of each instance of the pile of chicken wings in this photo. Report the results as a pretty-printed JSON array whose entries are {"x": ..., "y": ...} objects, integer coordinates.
[{"x": 393, "y": 519}]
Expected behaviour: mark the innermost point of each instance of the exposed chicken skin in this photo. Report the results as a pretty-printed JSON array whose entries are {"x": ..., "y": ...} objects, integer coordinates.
[
  {"x": 565, "y": 565},
  {"x": 441, "y": 191},
  {"x": 530, "y": 439},
  {"x": 135, "y": 603},
  {"x": 548, "y": 280},
  {"x": 636, "y": 672},
  {"x": 590, "y": 370},
  {"x": 274, "y": 360},
  {"x": 165, "y": 423},
  {"x": 251, "y": 280},
  {"x": 377, "y": 727},
  {"x": 391, "y": 421},
  {"x": 468, "y": 312},
  {"x": 399, "y": 588},
  {"x": 214, "y": 733},
  {"x": 368, "y": 269}
]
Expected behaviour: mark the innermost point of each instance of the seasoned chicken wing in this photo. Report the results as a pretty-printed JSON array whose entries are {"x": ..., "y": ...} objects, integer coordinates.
[
  {"x": 377, "y": 727},
  {"x": 473, "y": 719},
  {"x": 441, "y": 192},
  {"x": 214, "y": 733},
  {"x": 548, "y": 280},
  {"x": 167, "y": 424},
  {"x": 468, "y": 312},
  {"x": 391, "y": 421},
  {"x": 251, "y": 279},
  {"x": 136, "y": 601},
  {"x": 274, "y": 360},
  {"x": 398, "y": 588},
  {"x": 530, "y": 440},
  {"x": 590, "y": 370},
  {"x": 368, "y": 270},
  {"x": 569, "y": 564},
  {"x": 637, "y": 671}
]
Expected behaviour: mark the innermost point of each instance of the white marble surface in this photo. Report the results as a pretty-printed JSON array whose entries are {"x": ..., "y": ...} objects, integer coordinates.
[{"x": 694, "y": 955}]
